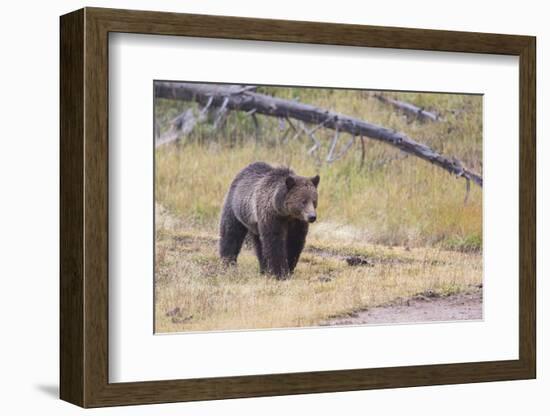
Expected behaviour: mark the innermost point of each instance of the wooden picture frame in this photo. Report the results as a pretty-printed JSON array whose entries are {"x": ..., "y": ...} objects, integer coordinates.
[{"x": 84, "y": 207}]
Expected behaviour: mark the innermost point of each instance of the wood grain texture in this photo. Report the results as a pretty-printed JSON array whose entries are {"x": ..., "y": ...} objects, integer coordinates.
[
  {"x": 84, "y": 207},
  {"x": 226, "y": 27},
  {"x": 96, "y": 208},
  {"x": 71, "y": 208},
  {"x": 527, "y": 208}
]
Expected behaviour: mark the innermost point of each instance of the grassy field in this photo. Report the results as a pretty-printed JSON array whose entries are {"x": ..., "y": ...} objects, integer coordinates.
[{"x": 405, "y": 216}]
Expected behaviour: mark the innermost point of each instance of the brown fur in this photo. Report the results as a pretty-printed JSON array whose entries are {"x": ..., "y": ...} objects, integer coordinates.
[{"x": 273, "y": 205}]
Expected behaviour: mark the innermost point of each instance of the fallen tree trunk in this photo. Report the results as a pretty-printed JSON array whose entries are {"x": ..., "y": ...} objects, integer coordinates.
[
  {"x": 408, "y": 108},
  {"x": 242, "y": 98}
]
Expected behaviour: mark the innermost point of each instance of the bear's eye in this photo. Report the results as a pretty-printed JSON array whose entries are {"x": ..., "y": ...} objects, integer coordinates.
[{"x": 304, "y": 202}]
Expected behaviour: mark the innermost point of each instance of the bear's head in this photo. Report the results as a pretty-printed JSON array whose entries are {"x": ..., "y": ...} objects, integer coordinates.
[{"x": 301, "y": 198}]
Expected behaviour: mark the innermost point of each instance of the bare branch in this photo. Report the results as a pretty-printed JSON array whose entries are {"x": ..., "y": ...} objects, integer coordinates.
[
  {"x": 317, "y": 143},
  {"x": 362, "y": 153},
  {"x": 179, "y": 126},
  {"x": 409, "y": 109},
  {"x": 333, "y": 144},
  {"x": 245, "y": 89},
  {"x": 206, "y": 107},
  {"x": 222, "y": 111},
  {"x": 277, "y": 107},
  {"x": 291, "y": 124},
  {"x": 256, "y": 125},
  {"x": 343, "y": 151}
]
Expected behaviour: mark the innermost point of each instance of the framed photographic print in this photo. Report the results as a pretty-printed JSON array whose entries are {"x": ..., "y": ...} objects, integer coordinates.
[{"x": 256, "y": 207}]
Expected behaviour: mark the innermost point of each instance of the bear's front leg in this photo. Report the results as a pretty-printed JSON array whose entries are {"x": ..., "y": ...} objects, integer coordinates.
[
  {"x": 296, "y": 239},
  {"x": 273, "y": 239}
]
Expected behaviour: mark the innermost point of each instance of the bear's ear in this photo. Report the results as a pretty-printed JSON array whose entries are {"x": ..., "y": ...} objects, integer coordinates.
[
  {"x": 315, "y": 180},
  {"x": 290, "y": 182}
]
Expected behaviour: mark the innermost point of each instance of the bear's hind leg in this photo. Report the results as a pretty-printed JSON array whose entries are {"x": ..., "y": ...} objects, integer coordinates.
[
  {"x": 296, "y": 239},
  {"x": 232, "y": 234}
]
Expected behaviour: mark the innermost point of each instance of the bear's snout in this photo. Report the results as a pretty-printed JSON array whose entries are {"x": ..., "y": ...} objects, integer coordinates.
[{"x": 311, "y": 218}]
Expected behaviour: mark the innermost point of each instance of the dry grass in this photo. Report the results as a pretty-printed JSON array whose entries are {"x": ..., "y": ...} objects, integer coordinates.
[
  {"x": 408, "y": 202},
  {"x": 394, "y": 200},
  {"x": 194, "y": 293},
  {"x": 404, "y": 213}
]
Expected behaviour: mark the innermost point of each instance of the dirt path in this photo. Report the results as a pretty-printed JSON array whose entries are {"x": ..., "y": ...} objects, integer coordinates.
[{"x": 421, "y": 308}]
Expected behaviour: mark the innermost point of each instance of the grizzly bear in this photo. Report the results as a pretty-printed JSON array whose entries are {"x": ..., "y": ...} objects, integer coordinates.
[{"x": 274, "y": 206}]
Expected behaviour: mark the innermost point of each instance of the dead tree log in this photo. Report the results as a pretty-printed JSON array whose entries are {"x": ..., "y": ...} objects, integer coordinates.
[
  {"x": 242, "y": 98},
  {"x": 409, "y": 109}
]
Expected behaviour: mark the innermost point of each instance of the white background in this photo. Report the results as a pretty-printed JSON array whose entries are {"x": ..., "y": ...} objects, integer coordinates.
[
  {"x": 298, "y": 350},
  {"x": 29, "y": 208}
]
